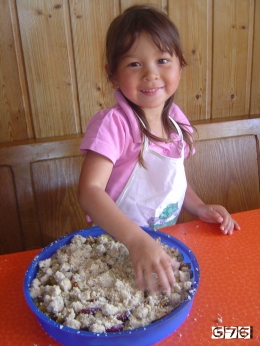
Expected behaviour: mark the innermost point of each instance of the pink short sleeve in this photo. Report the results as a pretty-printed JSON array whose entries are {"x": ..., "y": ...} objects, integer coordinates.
[{"x": 106, "y": 134}]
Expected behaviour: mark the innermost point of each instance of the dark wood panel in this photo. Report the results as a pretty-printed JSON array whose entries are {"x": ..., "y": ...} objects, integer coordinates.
[
  {"x": 38, "y": 190},
  {"x": 27, "y": 206},
  {"x": 10, "y": 231},
  {"x": 225, "y": 171},
  {"x": 55, "y": 185}
]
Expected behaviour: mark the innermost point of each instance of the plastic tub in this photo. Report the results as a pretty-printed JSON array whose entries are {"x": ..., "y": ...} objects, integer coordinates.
[{"x": 145, "y": 336}]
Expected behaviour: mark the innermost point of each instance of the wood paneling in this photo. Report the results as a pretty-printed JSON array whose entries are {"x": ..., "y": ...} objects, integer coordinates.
[
  {"x": 39, "y": 178},
  {"x": 38, "y": 193},
  {"x": 49, "y": 62},
  {"x": 161, "y": 4},
  {"x": 52, "y": 62},
  {"x": 26, "y": 203},
  {"x": 226, "y": 128},
  {"x": 11, "y": 233},
  {"x": 194, "y": 21},
  {"x": 232, "y": 57},
  {"x": 255, "y": 91},
  {"x": 15, "y": 122},
  {"x": 231, "y": 174},
  {"x": 52, "y": 81},
  {"x": 55, "y": 186},
  {"x": 228, "y": 177},
  {"x": 90, "y": 20}
]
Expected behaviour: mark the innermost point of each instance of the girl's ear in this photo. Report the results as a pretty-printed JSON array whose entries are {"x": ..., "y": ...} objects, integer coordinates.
[
  {"x": 181, "y": 71},
  {"x": 111, "y": 78}
]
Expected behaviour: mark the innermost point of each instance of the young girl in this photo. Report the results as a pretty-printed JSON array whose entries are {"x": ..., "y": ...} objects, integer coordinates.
[{"x": 133, "y": 174}]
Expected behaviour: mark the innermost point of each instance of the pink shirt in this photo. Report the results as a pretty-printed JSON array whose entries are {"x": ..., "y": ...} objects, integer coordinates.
[{"x": 115, "y": 134}]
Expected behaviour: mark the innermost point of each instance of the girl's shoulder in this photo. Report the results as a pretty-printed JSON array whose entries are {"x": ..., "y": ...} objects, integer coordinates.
[
  {"x": 119, "y": 118},
  {"x": 110, "y": 132},
  {"x": 108, "y": 116},
  {"x": 107, "y": 121}
]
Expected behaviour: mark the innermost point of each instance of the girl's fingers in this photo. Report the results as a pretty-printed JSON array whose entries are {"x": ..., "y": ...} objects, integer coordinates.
[
  {"x": 139, "y": 274},
  {"x": 161, "y": 277},
  {"x": 164, "y": 281},
  {"x": 152, "y": 283},
  {"x": 228, "y": 227},
  {"x": 236, "y": 225},
  {"x": 146, "y": 279},
  {"x": 175, "y": 264}
]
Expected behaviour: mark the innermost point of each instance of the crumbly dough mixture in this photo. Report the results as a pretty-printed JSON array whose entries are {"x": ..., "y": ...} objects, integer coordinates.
[{"x": 90, "y": 285}]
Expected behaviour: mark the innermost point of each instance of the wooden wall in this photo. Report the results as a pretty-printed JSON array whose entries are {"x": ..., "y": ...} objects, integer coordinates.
[
  {"x": 51, "y": 62},
  {"x": 52, "y": 81}
]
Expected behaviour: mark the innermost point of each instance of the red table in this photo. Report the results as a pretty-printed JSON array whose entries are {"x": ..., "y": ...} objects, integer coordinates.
[{"x": 229, "y": 287}]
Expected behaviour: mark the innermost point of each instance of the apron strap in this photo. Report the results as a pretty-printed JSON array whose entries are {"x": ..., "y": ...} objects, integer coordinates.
[
  {"x": 173, "y": 121},
  {"x": 176, "y": 126}
]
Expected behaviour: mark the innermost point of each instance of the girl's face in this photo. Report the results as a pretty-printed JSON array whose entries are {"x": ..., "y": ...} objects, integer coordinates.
[{"x": 147, "y": 76}]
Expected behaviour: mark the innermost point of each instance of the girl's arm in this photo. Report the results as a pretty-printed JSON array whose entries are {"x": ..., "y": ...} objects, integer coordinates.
[
  {"x": 209, "y": 213},
  {"x": 146, "y": 254}
]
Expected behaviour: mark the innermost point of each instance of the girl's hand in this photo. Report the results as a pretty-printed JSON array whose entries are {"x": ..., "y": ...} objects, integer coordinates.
[
  {"x": 148, "y": 258},
  {"x": 218, "y": 214}
]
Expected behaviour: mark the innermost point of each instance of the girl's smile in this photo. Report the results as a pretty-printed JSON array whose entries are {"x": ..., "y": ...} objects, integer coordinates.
[
  {"x": 147, "y": 76},
  {"x": 151, "y": 92}
]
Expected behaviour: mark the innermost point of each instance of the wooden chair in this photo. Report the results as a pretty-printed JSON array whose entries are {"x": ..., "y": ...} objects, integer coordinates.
[
  {"x": 225, "y": 169},
  {"x": 38, "y": 190}
]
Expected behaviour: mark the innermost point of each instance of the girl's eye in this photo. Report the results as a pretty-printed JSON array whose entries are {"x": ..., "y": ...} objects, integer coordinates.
[
  {"x": 162, "y": 61},
  {"x": 134, "y": 64}
]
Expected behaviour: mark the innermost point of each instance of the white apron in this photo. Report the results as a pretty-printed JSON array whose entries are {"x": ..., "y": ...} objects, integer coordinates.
[{"x": 153, "y": 197}]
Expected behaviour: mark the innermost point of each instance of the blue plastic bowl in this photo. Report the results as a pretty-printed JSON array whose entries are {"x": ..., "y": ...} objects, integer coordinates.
[{"x": 145, "y": 336}]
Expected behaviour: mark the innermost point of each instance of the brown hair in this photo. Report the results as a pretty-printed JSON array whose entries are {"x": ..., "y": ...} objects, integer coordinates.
[{"x": 121, "y": 35}]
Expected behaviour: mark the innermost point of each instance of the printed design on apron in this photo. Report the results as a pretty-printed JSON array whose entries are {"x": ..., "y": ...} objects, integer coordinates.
[
  {"x": 168, "y": 217},
  {"x": 153, "y": 196}
]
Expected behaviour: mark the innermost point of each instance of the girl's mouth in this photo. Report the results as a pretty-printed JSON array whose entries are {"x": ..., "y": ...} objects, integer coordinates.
[{"x": 150, "y": 91}]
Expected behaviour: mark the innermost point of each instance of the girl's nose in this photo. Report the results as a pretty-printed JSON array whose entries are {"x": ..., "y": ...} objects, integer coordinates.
[{"x": 150, "y": 74}]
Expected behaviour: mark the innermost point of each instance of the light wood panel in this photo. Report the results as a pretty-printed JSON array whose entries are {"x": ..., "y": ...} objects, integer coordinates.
[
  {"x": 52, "y": 62},
  {"x": 47, "y": 48},
  {"x": 232, "y": 57},
  {"x": 161, "y": 4},
  {"x": 15, "y": 122},
  {"x": 255, "y": 91},
  {"x": 194, "y": 21},
  {"x": 90, "y": 20}
]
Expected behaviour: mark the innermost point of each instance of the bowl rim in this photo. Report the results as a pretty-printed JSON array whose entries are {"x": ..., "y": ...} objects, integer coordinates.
[{"x": 94, "y": 232}]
